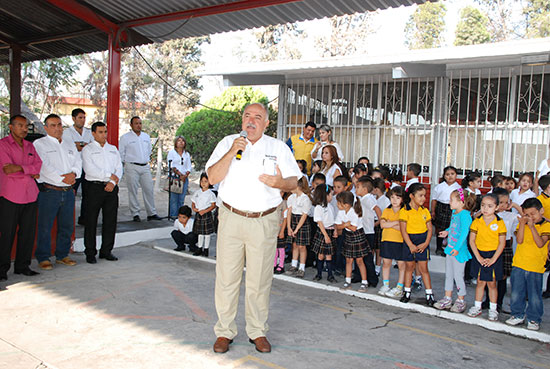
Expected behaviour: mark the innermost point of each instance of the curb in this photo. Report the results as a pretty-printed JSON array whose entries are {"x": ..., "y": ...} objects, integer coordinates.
[{"x": 463, "y": 318}]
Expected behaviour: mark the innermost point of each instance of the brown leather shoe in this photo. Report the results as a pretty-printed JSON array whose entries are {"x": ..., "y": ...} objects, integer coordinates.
[
  {"x": 66, "y": 261},
  {"x": 46, "y": 265},
  {"x": 262, "y": 344},
  {"x": 221, "y": 346}
]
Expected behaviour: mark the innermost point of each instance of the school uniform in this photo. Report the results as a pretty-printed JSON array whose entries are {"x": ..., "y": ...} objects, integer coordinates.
[
  {"x": 324, "y": 215},
  {"x": 545, "y": 201},
  {"x": 442, "y": 195},
  {"x": 391, "y": 246},
  {"x": 300, "y": 205},
  {"x": 417, "y": 228},
  {"x": 487, "y": 240},
  {"x": 183, "y": 234},
  {"x": 477, "y": 194},
  {"x": 355, "y": 242},
  {"x": 518, "y": 198},
  {"x": 329, "y": 174},
  {"x": 510, "y": 221},
  {"x": 368, "y": 203},
  {"x": 410, "y": 182},
  {"x": 204, "y": 224},
  {"x": 382, "y": 202},
  {"x": 283, "y": 212},
  {"x": 527, "y": 272}
]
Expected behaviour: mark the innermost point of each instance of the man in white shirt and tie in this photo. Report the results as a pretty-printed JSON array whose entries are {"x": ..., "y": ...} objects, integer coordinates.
[
  {"x": 249, "y": 195},
  {"x": 103, "y": 168},
  {"x": 79, "y": 136},
  {"x": 61, "y": 165},
  {"x": 135, "y": 151}
]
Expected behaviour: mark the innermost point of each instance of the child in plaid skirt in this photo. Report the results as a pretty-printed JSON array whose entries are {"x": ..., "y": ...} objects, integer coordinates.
[
  {"x": 202, "y": 203},
  {"x": 298, "y": 227},
  {"x": 282, "y": 238},
  {"x": 324, "y": 243},
  {"x": 355, "y": 241}
]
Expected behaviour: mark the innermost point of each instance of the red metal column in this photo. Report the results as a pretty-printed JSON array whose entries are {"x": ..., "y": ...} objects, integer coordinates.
[
  {"x": 15, "y": 79},
  {"x": 113, "y": 91}
]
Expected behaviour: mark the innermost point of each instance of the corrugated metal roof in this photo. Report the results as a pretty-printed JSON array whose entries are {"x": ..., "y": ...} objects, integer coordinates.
[
  {"x": 506, "y": 54},
  {"x": 46, "y": 31}
]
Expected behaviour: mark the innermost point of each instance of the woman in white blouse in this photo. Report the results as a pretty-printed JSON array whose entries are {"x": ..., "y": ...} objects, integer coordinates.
[
  {"x": 325, "y": 138},
  {"x": 180, "y": 166}
]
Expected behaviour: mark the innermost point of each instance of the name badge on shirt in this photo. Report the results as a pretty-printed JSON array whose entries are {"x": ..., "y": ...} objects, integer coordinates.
[{"x": 270, "y": 162}]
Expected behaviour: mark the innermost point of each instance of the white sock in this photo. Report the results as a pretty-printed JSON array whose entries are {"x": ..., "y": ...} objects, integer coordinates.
[
  {"x": 206, "y": 241},
  {"x": 294, "y": 263},
  {"x": 492, "y": 306},
  {"x": 364, "y": 281},
  {"x": 201, "y": 241},
  {"x": 302, "y": 267},
  {"x": 429, "y": 291},
  {"x": 348, "y": 280},
  {"x": 377, "y": 268},
  {"x": 477, "y": 304}
]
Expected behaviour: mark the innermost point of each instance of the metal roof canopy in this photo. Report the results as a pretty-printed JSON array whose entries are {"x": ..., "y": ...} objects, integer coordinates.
[
  {"x": 44, "y": 29},
  {"x": 415, "y": 63}
]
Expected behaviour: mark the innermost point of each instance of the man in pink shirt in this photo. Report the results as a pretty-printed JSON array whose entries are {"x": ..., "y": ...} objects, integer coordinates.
[{"x": 20, "y": 166}]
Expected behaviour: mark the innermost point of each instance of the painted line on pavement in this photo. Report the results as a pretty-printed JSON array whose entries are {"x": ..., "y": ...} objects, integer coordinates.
[
  {"x": 127, "y": 238},
  {"x": 463, "y": 318}
]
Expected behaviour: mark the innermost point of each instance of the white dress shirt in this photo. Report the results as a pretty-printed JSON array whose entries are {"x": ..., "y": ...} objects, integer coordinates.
[
  {"x": 100, "y": 162},
  {"x": 300, "y": 204},
  {"x": 368, "y": 203},
  {"x": 442, "y": 192},
  {"x": 181, "y": 163},
  {"x": 134, "y": 148},
  {"x": 383, "y": 202},
  {"x": 518, "y": 198},
  {"x": 351, "y": 216},
  {"x": 57, "y": 158},
  {"x": 410, "y": 182},
  {"x": 241, "y": 187},
  {"x": 185, "y": 229},
  {"x": 329, "y": 174},
  {"x": 71, "y": 135},
  {"x": 324, "y": 215},
  {"x": 203, "y": 199}
]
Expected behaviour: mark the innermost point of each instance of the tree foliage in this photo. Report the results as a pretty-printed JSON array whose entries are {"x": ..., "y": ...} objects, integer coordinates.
[
  {"x": 472, "y": 27},
  {"x": 537, "y": 13},
  {"x": 203, "y": 129},
  {"x": 279, "y": 42},
  {"x": 499, "y": 13},
  {"x": 348, "y": 35},
  {"x": 426, "y": 26}
]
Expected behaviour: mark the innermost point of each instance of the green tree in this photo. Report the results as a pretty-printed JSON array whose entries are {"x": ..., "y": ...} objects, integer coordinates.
[
  {"x": 203, "y": 129},
  {"x": 425, "y": 27},
  {"x": 537, "y": 13},
  {"x": 472, "y": 27}
]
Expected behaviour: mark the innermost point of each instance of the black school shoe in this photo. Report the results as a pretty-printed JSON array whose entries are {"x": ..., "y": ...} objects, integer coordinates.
[
  {"x": 406, "y": 297},
  {"x": 430, "y": 301}
]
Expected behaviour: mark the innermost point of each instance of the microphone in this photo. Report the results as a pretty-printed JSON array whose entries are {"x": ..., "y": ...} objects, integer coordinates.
[{"x": 240, "y": 152}]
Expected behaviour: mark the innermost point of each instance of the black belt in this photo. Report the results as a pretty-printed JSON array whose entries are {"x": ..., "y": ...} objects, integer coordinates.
[
  {"x": 44, "y": 186},
  {"x": 141, "y": 165},
  {"x": 98, "y": 183}
]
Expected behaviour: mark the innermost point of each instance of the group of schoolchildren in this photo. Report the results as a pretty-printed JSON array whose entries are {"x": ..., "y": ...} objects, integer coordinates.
[{"x": 358, "y": 227}]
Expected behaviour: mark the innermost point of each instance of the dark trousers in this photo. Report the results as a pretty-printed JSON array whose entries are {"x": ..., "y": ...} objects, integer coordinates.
[
  {"x": 181, "y": 239},
  {"x": 82, "y": 181},
  {"x": 107, "y": 202},
  {"x": 339, "y": 259},
  {"x": 13, "y": 215}
]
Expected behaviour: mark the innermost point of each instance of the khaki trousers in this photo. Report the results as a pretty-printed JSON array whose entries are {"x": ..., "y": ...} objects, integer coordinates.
[{"x": 240, "y": 239}]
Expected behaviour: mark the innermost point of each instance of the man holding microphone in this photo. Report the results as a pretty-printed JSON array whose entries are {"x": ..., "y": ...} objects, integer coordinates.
[{"x": 249, "y": 195}]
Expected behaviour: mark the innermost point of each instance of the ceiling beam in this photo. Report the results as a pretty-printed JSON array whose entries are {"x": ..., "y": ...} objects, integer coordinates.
[
  {"x": 205, "y": 11},
  {"x": 86, "y": 14}
]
